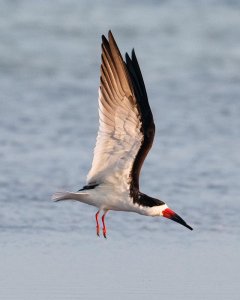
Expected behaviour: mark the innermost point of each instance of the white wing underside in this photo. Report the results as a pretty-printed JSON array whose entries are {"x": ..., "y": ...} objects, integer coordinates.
[
  {"x": 119, "y": 137},
  {"x": 118, "y": 141}
]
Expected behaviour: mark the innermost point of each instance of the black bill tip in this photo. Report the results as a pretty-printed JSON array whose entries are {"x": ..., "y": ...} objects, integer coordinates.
[{"x": 170, "y": 214}]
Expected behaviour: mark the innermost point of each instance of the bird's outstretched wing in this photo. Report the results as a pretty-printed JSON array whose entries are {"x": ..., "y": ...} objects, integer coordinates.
[{"x": 126, "y": 127}]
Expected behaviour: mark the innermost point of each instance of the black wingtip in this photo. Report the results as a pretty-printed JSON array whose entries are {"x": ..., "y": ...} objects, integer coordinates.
[
  {"x": 135, "y": 61},
  {"x": 104, "y": 39},
  {"x": 110, "y": 35},
  {"x": 133, "y": 53},
  {"x": 127, "y": 57}
]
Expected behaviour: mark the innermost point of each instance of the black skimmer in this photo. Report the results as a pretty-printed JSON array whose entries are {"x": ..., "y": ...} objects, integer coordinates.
[{"x": 125, "y": 136}]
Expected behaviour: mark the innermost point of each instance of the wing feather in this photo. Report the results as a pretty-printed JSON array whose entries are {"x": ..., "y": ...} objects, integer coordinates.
[{"x": 121, "y": 125}]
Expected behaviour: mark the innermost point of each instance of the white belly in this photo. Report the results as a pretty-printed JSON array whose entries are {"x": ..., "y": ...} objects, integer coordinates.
[{"x": 113, "y": 197}]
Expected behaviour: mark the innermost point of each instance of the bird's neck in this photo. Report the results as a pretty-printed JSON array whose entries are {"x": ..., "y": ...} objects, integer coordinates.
[{"x": 145, "y": 200}]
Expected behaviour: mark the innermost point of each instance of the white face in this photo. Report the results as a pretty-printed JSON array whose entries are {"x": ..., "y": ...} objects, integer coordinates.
[
  {"x": 156, "y": 210},
  {"x": 162, "y": 208}
]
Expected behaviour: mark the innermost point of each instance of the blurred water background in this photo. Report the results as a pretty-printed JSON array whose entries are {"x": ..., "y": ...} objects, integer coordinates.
[{"x": 189, "y": 52}]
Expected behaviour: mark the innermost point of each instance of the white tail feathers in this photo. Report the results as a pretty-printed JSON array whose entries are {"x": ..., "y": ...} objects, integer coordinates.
[
  {"x": 78, "y": 196},
  {"x": 61, "y": 196}
]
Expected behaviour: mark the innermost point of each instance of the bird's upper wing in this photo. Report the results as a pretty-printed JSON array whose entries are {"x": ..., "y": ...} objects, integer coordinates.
[{"x": 126, "y": 129}]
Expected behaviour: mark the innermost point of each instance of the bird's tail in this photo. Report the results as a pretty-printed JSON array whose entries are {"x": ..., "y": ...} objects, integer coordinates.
[
  {"x": 59, "y": 196},
  {"x": 79, "y": 196}
]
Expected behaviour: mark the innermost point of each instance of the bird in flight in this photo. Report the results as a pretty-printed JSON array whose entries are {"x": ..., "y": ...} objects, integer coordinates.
[{"x": 125, "y": 136}]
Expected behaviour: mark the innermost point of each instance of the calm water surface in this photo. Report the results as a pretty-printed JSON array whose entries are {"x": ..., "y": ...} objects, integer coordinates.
[{"x": 49, "y": 74}]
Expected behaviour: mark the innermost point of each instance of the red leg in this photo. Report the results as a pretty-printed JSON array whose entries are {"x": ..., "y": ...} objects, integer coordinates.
[
  {"x": 97, "y": 227},
  {"x": 104, "y": 226}
]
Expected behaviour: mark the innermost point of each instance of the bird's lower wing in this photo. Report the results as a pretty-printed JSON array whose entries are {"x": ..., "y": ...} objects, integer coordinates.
[
  {"x": 118, "y": 142},
  {"x": 119, "y": 136}
]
